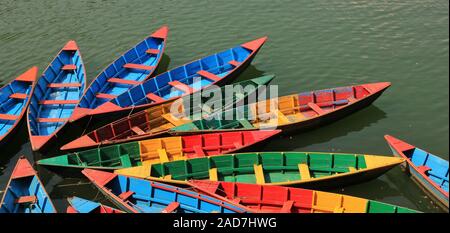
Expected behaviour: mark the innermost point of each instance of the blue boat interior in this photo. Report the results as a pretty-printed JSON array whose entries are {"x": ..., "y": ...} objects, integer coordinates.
[
  {"x": 83, "y": 205},
  {"x": 110, "y": 83},
  {"x": 152, "y": 197},
  {"x": 184, "y": 79},
  {"x": 57, "y": 93},
  {"x": 26, "y": 187},
  {"x": 13, "y": 99},
  {"x": 437, "y": 168}
]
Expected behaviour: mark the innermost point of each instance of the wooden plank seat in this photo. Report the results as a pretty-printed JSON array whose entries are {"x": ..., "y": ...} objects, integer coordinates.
[
  {"x": 8, "y": 117},
  {"x": 170, "y": 118},
  {"x": 123, "y": 81},
  {"x": 26, "y": 200},
  {"x": 21, "y": 96},
  {"x": 304, "y": 171},
  {"x": 154, "y": 98},
  {"x": 209, "y": 75},
  {"x": 137, "y": 130},
  {"x": 234, "y": 63},
  {"x": 69, "y": 67},
  {"x": 152, "y": 51},
  {"x": 198, "y": 150},
  {"x": 213, "y": 174},
  {"x": 138, "y": 66},
  {"x": 171, "y": 207},
  {"x": 162, "y": 153},
  {"x": 105, "y": 96},
  {"x": 49, "y": 102},
  {"x": 287, "y": 206},
  {"x": 316, "y": 108},
  {"x": 125, "y": 195},
  {"x": 259, "y": 174},
  {"x": 51, "y": 120},
  {"x": 181, "y": 86},
  {"x": 62, "y": 85}
]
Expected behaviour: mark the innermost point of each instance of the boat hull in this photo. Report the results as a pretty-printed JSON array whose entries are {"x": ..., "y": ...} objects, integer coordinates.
[
  {"x": 109, "y": 117},
  {"x": 431, "y": 191},
  {"x": 331, "y": 117}
]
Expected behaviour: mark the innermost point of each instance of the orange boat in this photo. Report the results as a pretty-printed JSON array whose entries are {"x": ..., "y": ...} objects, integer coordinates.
[{"x": 278, "y": 199}]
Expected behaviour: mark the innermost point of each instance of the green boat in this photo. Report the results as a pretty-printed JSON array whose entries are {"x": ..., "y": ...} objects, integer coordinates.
[
  {"x": 309, "y": 170},
  {"x": 157, "y": 150},
  {"x": 157, "y": 120}
]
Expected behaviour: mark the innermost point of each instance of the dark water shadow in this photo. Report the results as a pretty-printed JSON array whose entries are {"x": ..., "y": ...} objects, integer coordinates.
[
  {"x": 352, "y": 123},
  {"x": 62, "y": 189},
  {"x": 250, "y": 72},
  {"x": 163, "y": 64}
]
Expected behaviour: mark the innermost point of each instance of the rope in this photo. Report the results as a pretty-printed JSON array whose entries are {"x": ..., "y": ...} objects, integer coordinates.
[{"x": 85, "y": 128}]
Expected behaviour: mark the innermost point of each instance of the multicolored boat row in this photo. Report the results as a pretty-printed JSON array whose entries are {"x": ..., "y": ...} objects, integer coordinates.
[
  {"x": 148, "y": 149},
  {"x": 26, "y": 194}
]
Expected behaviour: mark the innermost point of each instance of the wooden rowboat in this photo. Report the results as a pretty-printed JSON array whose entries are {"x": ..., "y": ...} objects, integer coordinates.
[
  {"x": 157, "y": 150},
  {"x": 80, "y": 205},
  {"x": 25, "y": 193},
  {"x": 217, "y": 69},
  {"x": 130, "y": 69},
  {"x": 135, "y": 195},
  {"x": 157, "y": 120},
  {"x": 14, "y": 100},
  {"x": 307, "y": 170},
  {"x": 429, "y": 171},
  {"x": 278, "y": 199},
  {"x": 292, "y": 112},
  {"x": 56, "y": 94}
]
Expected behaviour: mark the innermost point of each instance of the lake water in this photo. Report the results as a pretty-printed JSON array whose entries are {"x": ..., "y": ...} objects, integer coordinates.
[{"x": 312, "y": 45}]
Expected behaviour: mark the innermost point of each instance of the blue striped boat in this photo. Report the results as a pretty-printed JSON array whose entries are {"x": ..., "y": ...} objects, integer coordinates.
[
  {"x": 132, "y": 68},
  {"x": 56, "y": 94},
  {"x": 142, "y": 196},
  {"x": 428, "y": 170},
  {"x": 83, "y": 206},
  {"x": 217, "y": 69},
  {"x": 14, "y": 100},
  {"x": 25, "y": 192}
]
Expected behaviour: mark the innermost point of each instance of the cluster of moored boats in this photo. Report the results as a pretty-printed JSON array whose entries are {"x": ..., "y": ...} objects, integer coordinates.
[{"x": 147, "y": 159}]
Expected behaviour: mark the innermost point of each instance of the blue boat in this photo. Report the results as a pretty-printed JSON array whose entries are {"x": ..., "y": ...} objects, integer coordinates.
[
  {"x": 142, "y": 196},
  {"x": 83, "y": 206},
  {"x": 130, "y": 69},
  {"x": 429, "y": 171},
  {"x": 25, "y": 192},
  {"x": 56, "y": 94},
  {"x": 217, "y": 69},
  {"x": 14, "y": 100}
]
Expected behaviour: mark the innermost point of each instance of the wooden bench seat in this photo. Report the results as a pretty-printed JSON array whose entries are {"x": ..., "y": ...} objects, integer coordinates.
[
  {"x": 49, "y": 102},
  {"x": 8, "y": 117},
  {"x": 21, "y": 96},
  {"x": 138, "y": 66},
  {"x": 105, "y": 96},
  {"x": 62, "y": 85},
  {"x": 234, "y": 63},
  {"x": 154, "y": 98},
  {"x": 182, "y": 87},
  {"x": 70, "y": 67},
  {"x": 152, "y": 51},
  {"x": 208, "y": 75},
  {"x": 51, "y": 120},
  {"x": 123, "y": 81}
]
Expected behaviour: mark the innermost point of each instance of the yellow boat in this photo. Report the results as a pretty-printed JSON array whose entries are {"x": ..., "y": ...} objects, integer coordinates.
[{"x": 303, "y": 169}]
